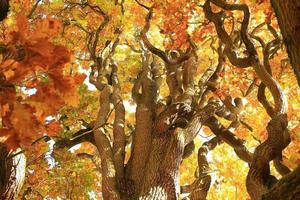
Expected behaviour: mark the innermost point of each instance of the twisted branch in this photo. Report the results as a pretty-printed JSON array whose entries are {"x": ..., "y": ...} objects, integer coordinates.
[
  {"x": 259, "y": 177},
  {"x": 199, "y": 188}
]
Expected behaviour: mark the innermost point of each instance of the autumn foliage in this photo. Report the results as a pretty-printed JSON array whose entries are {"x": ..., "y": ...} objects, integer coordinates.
[
  {"x": 149, "y": 99},
  {"x": 34, "y": 82}
]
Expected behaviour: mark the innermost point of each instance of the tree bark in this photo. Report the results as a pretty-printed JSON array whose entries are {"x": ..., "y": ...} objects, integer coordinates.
[
  {"x": 12, "y": 173},
  {"x": 287, "y": 188},
  {"x": 288, "y": 16}
]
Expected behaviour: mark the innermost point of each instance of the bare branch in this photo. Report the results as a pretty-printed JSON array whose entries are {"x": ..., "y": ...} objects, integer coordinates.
[
  {"x": 79, "y": 137},
  {"x": 278, "y": 136},
  {"x": 146, "y": 41},
  {"x": 224, "y": 36},
  {"x": 144, "y": 6},
  {"x": 229, "y": 138}
]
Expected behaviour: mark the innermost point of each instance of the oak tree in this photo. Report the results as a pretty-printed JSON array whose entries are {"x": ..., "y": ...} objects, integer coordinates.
[{"x": 149, "y": 99}]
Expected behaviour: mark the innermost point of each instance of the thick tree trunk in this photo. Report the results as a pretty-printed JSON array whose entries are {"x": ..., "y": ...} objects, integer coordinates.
[
  {"x": 288, "y": 16},
  {"x": 162, "y": 171},
  {"x": 287, "y": 188},
  {"x": 12, "y": 174}
]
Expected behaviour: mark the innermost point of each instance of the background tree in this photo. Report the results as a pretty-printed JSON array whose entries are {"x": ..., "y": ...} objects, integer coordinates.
[{"x": 287, "y": 13}]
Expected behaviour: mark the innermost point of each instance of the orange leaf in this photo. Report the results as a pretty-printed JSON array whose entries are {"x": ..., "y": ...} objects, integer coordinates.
[
  {"x": 25, "y": 122},
  {"x": 46, "y": 101},
  {"x": 10, "y": 138},
  {"x": 79, "y": 78},
  {"x": 53, "y": 128},
  {"x": 23, "y": 25}
]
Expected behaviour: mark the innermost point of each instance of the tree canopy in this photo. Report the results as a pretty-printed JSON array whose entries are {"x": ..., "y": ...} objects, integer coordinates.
[{"x": 148, "y": 99}]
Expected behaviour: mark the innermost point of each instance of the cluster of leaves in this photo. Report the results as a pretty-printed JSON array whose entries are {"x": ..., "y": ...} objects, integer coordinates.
[
  {"x": 34, "y": 83},
  {"x": 176, "y": 15},
  {"x": 68, "y": 177}
]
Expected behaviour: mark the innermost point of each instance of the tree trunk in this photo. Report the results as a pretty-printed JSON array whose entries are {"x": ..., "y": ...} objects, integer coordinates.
[
  {"x": 287, "y": 188},
  {"x": 162, "y": 171},
  {"x": 12, "y": 173},
  {"x": 288, "y": 16}
]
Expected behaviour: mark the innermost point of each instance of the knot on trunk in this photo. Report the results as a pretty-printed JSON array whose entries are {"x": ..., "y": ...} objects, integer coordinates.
[{"x": 176, "y": 115}]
